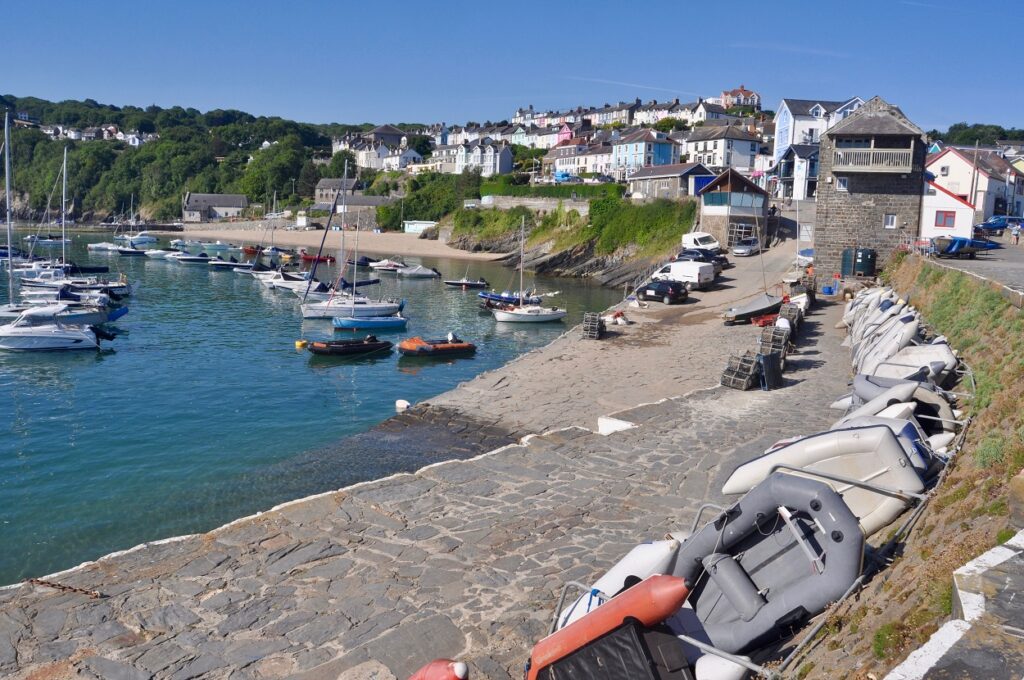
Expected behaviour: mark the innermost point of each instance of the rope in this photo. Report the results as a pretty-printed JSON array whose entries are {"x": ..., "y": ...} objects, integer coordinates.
[{"x": 92, "y": 594}]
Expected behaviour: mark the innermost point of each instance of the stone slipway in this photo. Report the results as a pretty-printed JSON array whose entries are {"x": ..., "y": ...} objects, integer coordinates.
[{"x": 462, "y": 558}]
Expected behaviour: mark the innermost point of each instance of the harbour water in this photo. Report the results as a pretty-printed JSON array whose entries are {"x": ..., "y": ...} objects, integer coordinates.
[{"x": 202, "y": 410}]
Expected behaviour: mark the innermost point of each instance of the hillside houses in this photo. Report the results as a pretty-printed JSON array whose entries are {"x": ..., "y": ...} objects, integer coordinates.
[{"x": 983, "y": 179}]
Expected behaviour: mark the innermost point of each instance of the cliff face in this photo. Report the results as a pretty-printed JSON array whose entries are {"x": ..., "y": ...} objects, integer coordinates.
[{"x": 578, "y": 260}]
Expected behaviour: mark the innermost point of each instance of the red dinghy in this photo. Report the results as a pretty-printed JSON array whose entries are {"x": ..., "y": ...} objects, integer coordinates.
[
  {"x": 309, "y": 257},
  {"x": 252, "y": 250}
]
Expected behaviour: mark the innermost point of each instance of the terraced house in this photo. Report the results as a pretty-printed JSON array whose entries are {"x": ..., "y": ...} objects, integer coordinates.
[{"x": 640, "y": 149}]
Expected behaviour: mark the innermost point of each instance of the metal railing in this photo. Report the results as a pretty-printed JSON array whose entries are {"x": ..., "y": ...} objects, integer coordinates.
[{"x": 873, "y": 160}]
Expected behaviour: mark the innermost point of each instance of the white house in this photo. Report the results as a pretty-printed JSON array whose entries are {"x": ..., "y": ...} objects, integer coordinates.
[
  {"x": 722, "y": 146},
  {"x": 741, "y": 96},
  {"x": 943, "y": 213},
  {"x": 802, "y": 121},
  {"x": 797, "y": 172},
  {"x": 990, "y": 183},
  {"x": 567, "y": 157},
  {"x": 701, "y": 111},
  {"x": 485, "y": 155},
  {"x": 597, "y": 159},
  {"x": 399, "y": 159}
]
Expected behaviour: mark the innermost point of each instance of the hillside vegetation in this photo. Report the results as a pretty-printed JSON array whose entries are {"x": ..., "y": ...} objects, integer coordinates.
[{"x": 201, "y": 152}]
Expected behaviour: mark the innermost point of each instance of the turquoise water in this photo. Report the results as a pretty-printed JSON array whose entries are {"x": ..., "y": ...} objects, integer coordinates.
[{"x": 202, "y": 411}]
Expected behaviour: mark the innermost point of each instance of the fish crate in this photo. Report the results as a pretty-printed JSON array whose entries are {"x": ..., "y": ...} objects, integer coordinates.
[
  {"x": 593, "y": 326},
  {"x": 738, "y": 380},
  {"x": 773, "y": 339},
  {"x": 745, "y": 363},
  {"x": 791, "y": 313}
]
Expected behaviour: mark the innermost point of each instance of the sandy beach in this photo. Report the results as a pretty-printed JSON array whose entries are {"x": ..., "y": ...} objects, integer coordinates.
[{"x": 386, "y": 244}]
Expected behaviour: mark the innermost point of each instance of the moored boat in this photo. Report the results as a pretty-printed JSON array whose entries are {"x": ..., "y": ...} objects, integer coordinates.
[
  {"x": 313, "y": 257},
  {"x": 528, "y": 314},
  {"x": 418, "y": 271},
  {"x": 466, "y": 283},
  {"x": 450, "y": 346},
  {"x": 366, "y": 323},
  {"x": 368, "y": 345},
  {"x": 131, "y": 251}
]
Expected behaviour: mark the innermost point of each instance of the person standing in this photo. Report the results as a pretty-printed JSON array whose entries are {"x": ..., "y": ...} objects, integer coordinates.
[{"x": 1015, "y": 232}]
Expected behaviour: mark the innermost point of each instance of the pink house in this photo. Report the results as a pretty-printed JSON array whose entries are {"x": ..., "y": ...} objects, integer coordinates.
[{"x": 564, "y": 133}]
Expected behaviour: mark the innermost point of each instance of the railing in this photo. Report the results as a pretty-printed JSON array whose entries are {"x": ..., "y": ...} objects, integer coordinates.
[{"x": 872, "y": 160}]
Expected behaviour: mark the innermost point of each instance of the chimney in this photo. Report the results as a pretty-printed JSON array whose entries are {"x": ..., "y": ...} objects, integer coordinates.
[
  {"x": 638, "y": 100},
  {"x": 676, "y": 101}
]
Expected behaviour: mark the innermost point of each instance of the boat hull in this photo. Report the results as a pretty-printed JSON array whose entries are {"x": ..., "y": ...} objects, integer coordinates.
[
  {"x": 331, "y": 309},
  {"x": 339, "y": 348},
  {"x": 370, "y": 323},
  {"x": 528, "y": 315},
  {"x": 46, "y": 339}
]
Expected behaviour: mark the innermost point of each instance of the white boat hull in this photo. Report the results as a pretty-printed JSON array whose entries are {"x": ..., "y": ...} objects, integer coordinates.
[
  {"x": 345, "y": 307},
  {"x": 46, "y": 338},
  {"x": 528, "y": 315}
]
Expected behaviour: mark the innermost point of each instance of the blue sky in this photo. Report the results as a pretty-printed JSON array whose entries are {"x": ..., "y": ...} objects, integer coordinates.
[{"x": 332, "y": 61}]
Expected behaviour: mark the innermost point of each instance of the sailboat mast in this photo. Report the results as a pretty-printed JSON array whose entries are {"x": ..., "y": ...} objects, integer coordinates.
[
  {"x": 522, "y": 258},
  {"x": 355, "y": 265},
  {"x": 7, "y": 194},
  {"x": 63, "y": 210}
]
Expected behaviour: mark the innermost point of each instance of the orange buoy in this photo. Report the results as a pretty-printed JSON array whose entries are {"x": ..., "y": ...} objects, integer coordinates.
[
  {"x": 650, "y": 602},
  {"x": 442, "y": 669}
]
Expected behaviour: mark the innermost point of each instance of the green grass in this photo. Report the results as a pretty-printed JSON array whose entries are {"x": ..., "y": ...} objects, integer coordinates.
[
  {"x": 885, "y": 640},
  {"x": 1005, "y": 535},
  {"x": 509, "y": 185}
]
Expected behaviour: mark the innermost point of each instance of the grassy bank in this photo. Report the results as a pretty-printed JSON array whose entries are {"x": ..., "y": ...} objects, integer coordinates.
[
  {"x": 615, "y": 226},
  {"x": 968, "y": 514},
  {"x": 518, "y": 185}
]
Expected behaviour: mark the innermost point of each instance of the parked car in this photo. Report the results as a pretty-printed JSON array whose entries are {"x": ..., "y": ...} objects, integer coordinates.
[
  {"x": 698, "y": 255},
  {"x": 701, "y": 239},
  {"x": 690, "y": 273},
  {"x": 997, "y": 224},
  {"x": 668, "y": 292},
  {"x": 746, "y": 247}
]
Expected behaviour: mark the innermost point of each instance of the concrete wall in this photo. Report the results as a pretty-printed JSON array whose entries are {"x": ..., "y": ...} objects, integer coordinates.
[
  {"x": 855, "y": 218},
  {"x": 581, "y": 206}
]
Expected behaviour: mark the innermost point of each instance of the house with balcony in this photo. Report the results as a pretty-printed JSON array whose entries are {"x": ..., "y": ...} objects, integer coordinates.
[
  {"x": 984, "y": 179},
  {"x": 803, "y": 121},
  {"x": 675, "y": 181},
  {"x": 741, "y": 96},
  {"x": 723, "y": 146},
  {"x": 797, "y": 172},
  {"x": 642, "y": 148},
  {"x": 733, "y": 207},
  {"x": 870, "y": 179}
]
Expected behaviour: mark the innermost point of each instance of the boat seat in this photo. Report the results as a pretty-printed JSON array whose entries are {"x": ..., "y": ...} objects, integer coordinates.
[{"x": 734, "y": 583}]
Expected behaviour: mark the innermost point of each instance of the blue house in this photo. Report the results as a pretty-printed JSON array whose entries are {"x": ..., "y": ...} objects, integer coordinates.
[{"x": 641, "y": 149}]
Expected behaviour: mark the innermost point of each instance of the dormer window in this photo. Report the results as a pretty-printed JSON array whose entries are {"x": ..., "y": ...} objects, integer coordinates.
[{"x": 817, "y": 111}]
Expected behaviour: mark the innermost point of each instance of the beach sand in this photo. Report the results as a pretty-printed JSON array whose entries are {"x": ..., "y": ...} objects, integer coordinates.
[{"x": 386, "y": 244}]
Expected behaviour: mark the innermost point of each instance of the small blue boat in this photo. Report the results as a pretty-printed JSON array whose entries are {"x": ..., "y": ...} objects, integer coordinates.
[
  {"x": 370, "y": 323},
  {"x": 958, "y": 246},
  {"x": 510, "y": 298},
  {"x": 347, "y": 285}
]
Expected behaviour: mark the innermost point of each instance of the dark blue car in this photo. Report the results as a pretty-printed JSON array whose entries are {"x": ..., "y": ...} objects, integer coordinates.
[{"x": 997, "y": 224}]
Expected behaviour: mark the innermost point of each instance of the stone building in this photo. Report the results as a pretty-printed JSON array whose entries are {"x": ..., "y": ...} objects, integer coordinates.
[
  {"x": 732, "y": 207},
  {"x": 212, "y": 207},
  {"x": 870, "y": 181}
]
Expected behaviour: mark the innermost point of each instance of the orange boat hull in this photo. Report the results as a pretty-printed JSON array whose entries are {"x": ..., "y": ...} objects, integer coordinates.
[{"x": 650, "y": 602}]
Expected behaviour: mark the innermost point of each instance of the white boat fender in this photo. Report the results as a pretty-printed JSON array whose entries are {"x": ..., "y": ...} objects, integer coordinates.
[
  {"x": 842, "y": 403},
  {"x": 941, "y": 440},
  {"x": 401, "y": 405}
]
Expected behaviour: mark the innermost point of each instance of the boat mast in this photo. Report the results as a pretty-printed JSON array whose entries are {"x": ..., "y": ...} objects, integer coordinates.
[
  {"x": 7, "y": 195},
  {"x": 522, "y": 259},
  {"x": 323, "y": 240},
  {"x": 63, "y": 210},
  {"x": 355, "y": 264}
]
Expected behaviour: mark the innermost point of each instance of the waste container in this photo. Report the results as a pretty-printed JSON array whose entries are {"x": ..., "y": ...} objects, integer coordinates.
[
  {"x": 847, "y": 263},
  {"x": 771, "y": 370}
]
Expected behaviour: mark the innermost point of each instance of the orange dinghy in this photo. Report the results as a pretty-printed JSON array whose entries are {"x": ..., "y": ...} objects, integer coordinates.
[
  {"x": 442, "y": 669},
  {"x": 418, "y": 347},
  {"x": 649, "y": 602}
]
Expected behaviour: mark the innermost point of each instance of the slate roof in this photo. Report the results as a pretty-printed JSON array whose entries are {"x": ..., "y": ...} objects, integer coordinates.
[
  {"x": 673, "y": 170},
  {"x": 705, "y": 133},
  {"x": 804, "y": 150},
  {"x": 386, "y": 130},
  {"x": 204, "y": 202},
  {"x": 642, "y": 135},
  {"x": 802, "y": 107},
  {"x": 732, "y": 176},
  {"x": 335, "y": 184},
  {"x": 876, "y": 117}
]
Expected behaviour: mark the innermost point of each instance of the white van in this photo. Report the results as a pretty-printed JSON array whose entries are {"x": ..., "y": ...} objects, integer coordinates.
[
  {"x": 700, "y": 275},
  {"x": 702, "y": 240}
]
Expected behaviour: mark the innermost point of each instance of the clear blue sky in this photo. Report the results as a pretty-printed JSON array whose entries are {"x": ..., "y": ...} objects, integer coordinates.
[{"x": 941, "y": 61}]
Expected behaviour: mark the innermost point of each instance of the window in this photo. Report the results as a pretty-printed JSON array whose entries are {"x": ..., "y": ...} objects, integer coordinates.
[
  {"x": 945, "y": 219},
  {"x": 842, "y": 183},
  {"x": 944, "y": 171},
  {"x": 890, "y": 221}
]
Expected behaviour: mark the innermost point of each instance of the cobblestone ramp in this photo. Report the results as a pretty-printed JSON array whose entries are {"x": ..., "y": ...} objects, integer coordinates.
[{"x": 463, "y": 558}]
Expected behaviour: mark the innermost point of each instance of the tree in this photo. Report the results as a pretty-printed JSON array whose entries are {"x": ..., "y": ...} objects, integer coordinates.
[
  {"x": 421, "y": 144},
  {"x": 336, "y": 168},
  {"x": 670, "y": 124},
  {"x": 308, "y": 177}
]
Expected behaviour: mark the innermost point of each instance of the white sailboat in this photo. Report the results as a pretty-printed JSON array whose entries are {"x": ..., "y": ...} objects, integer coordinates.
[{"x": 526, "y": 313}]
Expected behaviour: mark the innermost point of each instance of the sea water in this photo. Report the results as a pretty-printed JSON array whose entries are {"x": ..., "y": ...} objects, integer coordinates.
[{"x": 192, "y": 416}]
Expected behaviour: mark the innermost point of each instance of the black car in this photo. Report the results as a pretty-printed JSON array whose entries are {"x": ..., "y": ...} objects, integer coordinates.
[
  {"x": 668, "y": 292},
  {"x": 720, "y": 262}
]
